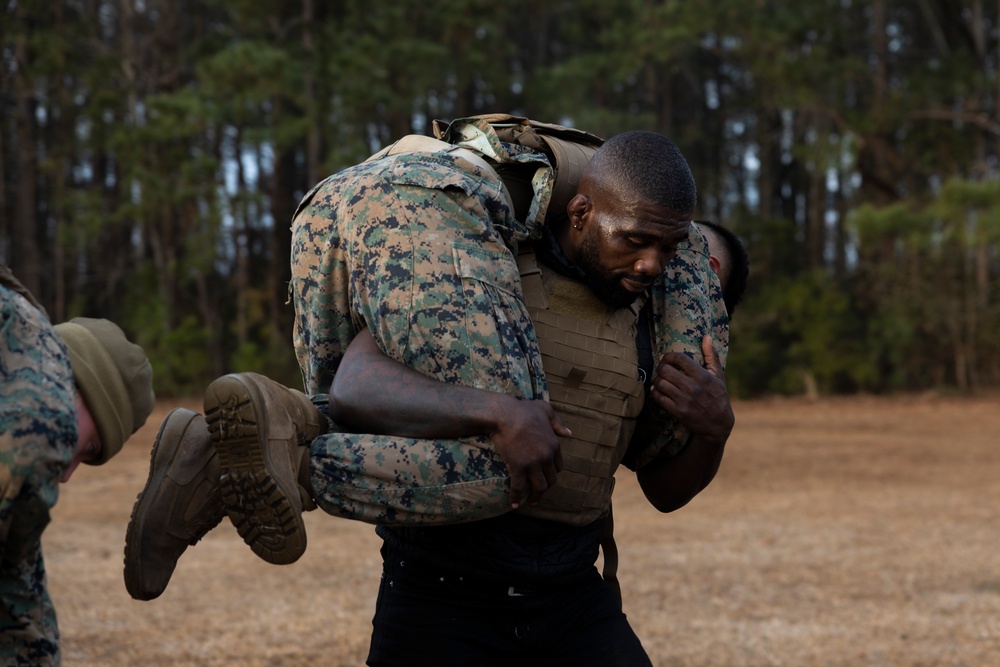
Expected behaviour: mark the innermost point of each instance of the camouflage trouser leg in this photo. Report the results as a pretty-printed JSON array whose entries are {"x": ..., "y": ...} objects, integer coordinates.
[
  {"x": 38, "y": 434},
  {"x": 424, "y": 271},
  {"x": 383, "y": 479},
  {"x": 29, "y": 635}
]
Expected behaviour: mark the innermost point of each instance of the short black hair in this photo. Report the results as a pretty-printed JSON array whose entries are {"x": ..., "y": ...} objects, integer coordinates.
[
  {"x": 649, "y": 166},
  {"x": 738, "y": 261}
]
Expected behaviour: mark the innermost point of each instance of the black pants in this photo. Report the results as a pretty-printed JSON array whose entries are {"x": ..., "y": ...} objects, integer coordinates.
[{"x": 425, "y": 617}]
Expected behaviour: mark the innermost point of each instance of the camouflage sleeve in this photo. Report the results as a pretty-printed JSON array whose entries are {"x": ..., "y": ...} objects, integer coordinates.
[
  {"x": 37, "y": 439},
  {"x": 686, "y": 306},
  {"x": 411, "y": 247},
  {"x": 37, "y": 421},
  {"x": 29, "y": 632}
]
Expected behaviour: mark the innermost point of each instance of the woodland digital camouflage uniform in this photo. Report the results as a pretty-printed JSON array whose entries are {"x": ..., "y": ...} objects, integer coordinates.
[
  {"x": 419, "y": 248},
  {"x": 38, "y": 433},
  {"x": 686, "y": 306},
  {"x": 412, "y": 247}
]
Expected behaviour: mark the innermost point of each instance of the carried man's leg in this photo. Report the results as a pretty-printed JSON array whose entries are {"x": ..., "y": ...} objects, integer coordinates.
[
  {"x": 244, "y": 460},
  {"x": 440, "y": 292},
  {"x": 178, "y": 506}
]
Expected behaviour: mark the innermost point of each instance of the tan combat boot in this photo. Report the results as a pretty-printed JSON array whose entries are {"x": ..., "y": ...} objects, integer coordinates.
[
  {"x": 262, "y": 431},
  {"x": 178, "y": 506}
]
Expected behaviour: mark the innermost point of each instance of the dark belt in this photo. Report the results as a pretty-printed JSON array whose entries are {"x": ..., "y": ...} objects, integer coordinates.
[
  {"x": 522, "y": 591},
  {"x": 483, "y": 584}
]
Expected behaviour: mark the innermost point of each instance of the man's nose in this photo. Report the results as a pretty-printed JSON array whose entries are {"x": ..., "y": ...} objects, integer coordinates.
[
  {"x": 651, "y": 263},
  {"x": 68, "y": 472}
]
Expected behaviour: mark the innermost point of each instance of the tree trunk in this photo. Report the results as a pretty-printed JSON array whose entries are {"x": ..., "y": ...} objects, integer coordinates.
[
  {"x": 768, "y": 158},
  {"x": 241, "y": 243},
  {"x": 4, "y": 177},
  {"x": 282, "y": 208},
  {"x": 815, "y": 218},
  {"x": 62, "y": 142},
  {"x": 25, "y": 256},
  {"x": 311, "y": 105}
]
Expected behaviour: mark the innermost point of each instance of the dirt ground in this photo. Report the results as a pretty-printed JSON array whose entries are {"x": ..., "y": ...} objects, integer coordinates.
[{"x": 838, "y": 532}]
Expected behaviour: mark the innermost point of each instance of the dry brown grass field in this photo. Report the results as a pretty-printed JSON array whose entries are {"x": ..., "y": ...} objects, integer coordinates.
[{"x": 838, "y": 532}]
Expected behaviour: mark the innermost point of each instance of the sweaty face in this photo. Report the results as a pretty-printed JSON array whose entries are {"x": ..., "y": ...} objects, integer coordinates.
[
  {"x": 605, "y": 283},
  {"x": 626, "y": 245}
]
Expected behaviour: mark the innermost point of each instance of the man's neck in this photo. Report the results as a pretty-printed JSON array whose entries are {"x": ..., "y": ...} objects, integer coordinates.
[{"x": 550, "y": 253}]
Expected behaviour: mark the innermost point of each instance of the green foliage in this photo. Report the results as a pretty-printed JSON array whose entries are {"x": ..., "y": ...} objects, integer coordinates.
[
  {"x": 154, "y": 153},
  {"x": 796, "y": 327},
  {"x": 179, "y": 356},
  {"x": 180, "y": 359},
  {"x": 272, "y": 357},
  {"x": 930, "y": 265}
]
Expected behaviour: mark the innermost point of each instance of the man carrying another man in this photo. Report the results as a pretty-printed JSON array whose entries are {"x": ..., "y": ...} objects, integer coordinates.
[{"x": 408, "y": 301}]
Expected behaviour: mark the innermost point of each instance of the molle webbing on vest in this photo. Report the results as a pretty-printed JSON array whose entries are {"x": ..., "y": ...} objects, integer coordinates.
[
  {"x": 591, "y": 366},
  {"x": 579, "y": 351}
]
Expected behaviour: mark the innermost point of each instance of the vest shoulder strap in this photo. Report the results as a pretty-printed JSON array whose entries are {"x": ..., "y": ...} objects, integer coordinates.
[
  {"x": 418, "y": 143},
  {"x": 568, "y": 149}
]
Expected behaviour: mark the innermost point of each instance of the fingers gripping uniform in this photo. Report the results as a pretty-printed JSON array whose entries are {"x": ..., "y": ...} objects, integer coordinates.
[
  {"x": 686, "y": 306},
  {"x": 38, "y": 435},
  {"x": 414, "y": 248}
]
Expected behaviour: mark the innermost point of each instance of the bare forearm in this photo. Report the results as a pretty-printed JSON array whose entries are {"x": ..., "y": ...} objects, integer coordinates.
[
  {"x": 671, "y": 483},
  {"x": 697, "y": 398},
  {"x": 374, "y": 394}
]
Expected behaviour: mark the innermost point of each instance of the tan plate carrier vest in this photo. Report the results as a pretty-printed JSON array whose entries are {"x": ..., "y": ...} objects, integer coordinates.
[{"x": 592, "y": 369}]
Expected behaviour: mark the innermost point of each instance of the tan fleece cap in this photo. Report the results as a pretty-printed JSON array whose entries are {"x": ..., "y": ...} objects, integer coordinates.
[{"x": 114, "y": 376}]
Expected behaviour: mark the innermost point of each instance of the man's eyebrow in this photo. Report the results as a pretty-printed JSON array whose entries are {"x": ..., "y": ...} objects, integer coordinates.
[
  {"x": 643, "y": 232},
  {"x": 651, "y": 234}
]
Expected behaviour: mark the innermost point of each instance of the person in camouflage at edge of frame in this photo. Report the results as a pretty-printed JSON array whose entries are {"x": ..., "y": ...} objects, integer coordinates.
[
  {"x": 52, "y": 419},
  {"x": 37, "y": 440}
]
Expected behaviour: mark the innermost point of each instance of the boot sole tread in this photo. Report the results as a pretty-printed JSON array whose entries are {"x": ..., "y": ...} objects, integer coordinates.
[{"x": 258, "y": 506}]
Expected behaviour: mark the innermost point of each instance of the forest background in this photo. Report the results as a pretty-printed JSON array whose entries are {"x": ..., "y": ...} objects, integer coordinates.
[{"x": 152, "y": 154}]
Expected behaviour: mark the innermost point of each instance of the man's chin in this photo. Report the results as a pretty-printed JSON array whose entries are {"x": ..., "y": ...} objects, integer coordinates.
[{"x": 613, "y": 294}]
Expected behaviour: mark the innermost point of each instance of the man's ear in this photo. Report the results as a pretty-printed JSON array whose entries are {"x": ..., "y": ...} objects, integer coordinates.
[
  {"x": 714, "y": 262},
  {"x": 577, "y": 208}
]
